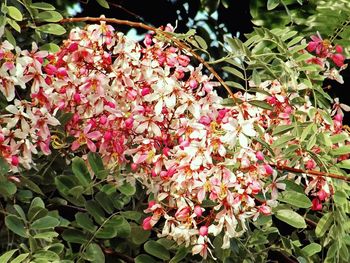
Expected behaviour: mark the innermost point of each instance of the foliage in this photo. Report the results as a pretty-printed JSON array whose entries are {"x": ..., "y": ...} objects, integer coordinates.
[{"x": 118, "y": 151}]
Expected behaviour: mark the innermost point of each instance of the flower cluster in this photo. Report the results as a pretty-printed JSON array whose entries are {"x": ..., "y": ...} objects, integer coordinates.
[
  {"x": 329, "y": 57},
  {"x": 146, "y": 108}
]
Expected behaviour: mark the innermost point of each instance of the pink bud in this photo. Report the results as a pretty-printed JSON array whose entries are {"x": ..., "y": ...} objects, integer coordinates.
[
  {"x": 198, "y": 210},
  {"x": 338, "y": 59},
  {"x": 73, "y": 47},
  {"x": 193, "y": 83},
  {"x": 148, "y": 40},
  {"x": 14, "y": 179},
  {"x": 271, "y": 100},
  {"x": 151, "y": 203},
  {"x": 61, "y": 72},
  {"x": 146, "y": 224},
  {"x": 107, "y": 136},
  {"x": 203, "y": 231},
  {"x": 77, "y": 98},
  {"x": 338, "y": 117},
  {"x": 259, "y": 156},
  {"x": 322, "y": 195},
  {"x": 268, "y": 169},
  {"x": 129, "y": 122},
  {"x": 103, "y": 120},
  {"x": 205, "y": 120},
  {"x": 288, "y": 109},
  {"x": 179, "y": 74},
  {"x": 339, "y": 49},
  {"x": 183, "y": 60},
  {"x": 50, "y": 69},
  {"x": 134, "y": 166},
  {"x": 166, "y": 151},
  {"x": 2, "y": 138},
  {"x": 14, "y": 160},
  {"x": 310, "y": 164},
  {"x": 48, "y": 80},
  {"x": 265, "y": 210},
  {"x": 76, "y": 117},
  {"x": 316, "y": 205},
  {"x": 145, "y": 91}
]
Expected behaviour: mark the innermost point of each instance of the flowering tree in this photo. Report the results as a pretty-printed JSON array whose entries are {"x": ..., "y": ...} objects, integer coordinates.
[{"x": 113, "y": 150}]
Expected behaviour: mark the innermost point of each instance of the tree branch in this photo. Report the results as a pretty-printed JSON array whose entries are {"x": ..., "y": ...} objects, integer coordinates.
[{"x": 311, "y": 172}]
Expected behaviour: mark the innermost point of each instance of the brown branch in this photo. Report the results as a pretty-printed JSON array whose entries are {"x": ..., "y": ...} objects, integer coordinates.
[
  {"x": 167, "y": 35},
  {"x": 115, "y": 254},
  {"x": 311, "y": 172}
]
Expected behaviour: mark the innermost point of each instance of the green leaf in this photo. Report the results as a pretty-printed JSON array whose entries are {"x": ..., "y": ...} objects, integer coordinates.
[
  {"x": 180, "y": 255},
  {"x": 234, "y": 71},
  {"x": 127, "y": 189},
  {"x": 117, "y": 225},
  {"x": 132, "y": 215},
  {"x": 46, "y": 255},
  {"x": 282, "y": 141},
  {"x": 48, "y": 236},
  {"x": 290, "y": 217},
  {"x": 261, "y": 104},
  {"x": 7, "y": 255},
  {"x": 95, "y": 162},
  {"x": 7, "y": 188},
  {"x": 103, "y": 3},
  {"x": 42, "y": 6},
  {"x": 51, "y": 47},
  {"x": 84, "y": 221},
  {"x": 339, "y": 137},
  {"x": 307, "y": 131},
  {"x": 74, "y": 236},
  {"x": 49, "y": 16},
  {"x": 138, "y": 235},
  {"x": 105, "y": 202},
  {"x": 122, "y": 225},
  {"x": 324, "y": 224},
  {"x": 312, "y": 249},
  {"x": 157, "y": 250},
  {"x": 95, "y": 210},
  {"x": 81, "y": 171},
  {"x": 294, "y": 41},
  {"x": 272, "y": 4},
  {"x": 53, "y": 29},
  {"x": 20, "y": 212},
  {"x": 345, "y": 164},
  {"x": 201, "y": 42},
  {"x": 10, "y": 38},
  {"x": 16, "y": 225},
  {"x": 45, "y": 223},
  {"x": 296, "y": 199},
  {"x": 143, "y": 258},
  {"x": 311, "y": 142},
  {"x": 14, "y": 25},
  {"x": 20, "y": 258},
  {"x": 4, "y": 166},
  {"x": 282, "y": 129},
  {"x": 15, "y": 13},
  {"x": 340, "y": 198},
  {"x": 94, "y": 253},
  {"x": 341, "y": 150}
]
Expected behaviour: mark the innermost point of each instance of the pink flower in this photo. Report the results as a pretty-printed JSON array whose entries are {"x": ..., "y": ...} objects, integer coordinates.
[
  {"x": 338, "y": 59},
  {"x": 203, "y": 230},
  {"x": 86, "y": 137},
  {"x": 316, "y": 205},
  {"x": 146, "y": 224}
]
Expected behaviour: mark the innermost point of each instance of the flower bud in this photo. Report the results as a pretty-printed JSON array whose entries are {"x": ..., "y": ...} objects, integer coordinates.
[{"x": 203, "y": 230}]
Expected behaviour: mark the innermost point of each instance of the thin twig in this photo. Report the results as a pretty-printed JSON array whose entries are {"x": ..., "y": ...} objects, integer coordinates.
[
  {"x": 311, "y": 172},
  {"x": 167, "y": 35}
]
